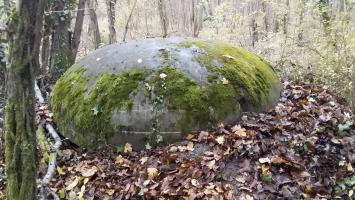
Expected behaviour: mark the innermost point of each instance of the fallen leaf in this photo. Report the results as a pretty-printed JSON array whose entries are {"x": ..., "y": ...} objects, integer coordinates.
[
  {"x": 127, "y": 148},
  {"x": 89, "y": 172},
  {"x": 110, "y": 192},
  {"x": 279, "y": 160},
  {"x": 245, "y": 196},
  {"x": 240, "y": 179},
  {"x": 62, "y": 193},
  {"x": 81, "y": 193},
  {"x": 264, "y": 160},
  {"x": 143, "y": 160},
  {"x": 190, "y": 146},
  {"x": 349, "y": 167},
  {"x": 241, "y": 133},
  {"x": 173, "y": 149},
  {"x": 211, "y": 164},
  {"x": 220, "y": 139},
  {"x": 152, "y": 172},
  {"x": 194, "y": 182},
  {"x": 60, "y": 171},
  {"x": 73, "y": 184},
  {"x": 190, "y": 136}
]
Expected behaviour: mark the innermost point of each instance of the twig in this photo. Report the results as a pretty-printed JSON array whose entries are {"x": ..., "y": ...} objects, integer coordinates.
[
  {"x": 52, "y": 163},
  {"x": 39, "y": 95},
  {"x": 55, "y": 148},
  {"x": 66, "y": 11}
]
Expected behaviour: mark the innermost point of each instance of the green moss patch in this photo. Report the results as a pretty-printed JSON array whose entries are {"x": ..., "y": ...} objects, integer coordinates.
[
  {"x": 200, "y": 105},
  {"x": 250, "y": 75},
  {"x": 90, "y": 115}
]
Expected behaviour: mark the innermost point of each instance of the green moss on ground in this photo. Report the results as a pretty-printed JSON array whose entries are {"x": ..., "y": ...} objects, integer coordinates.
[
  {"x": 249, "y": 74},
  {"x": 91, "y": 112}
]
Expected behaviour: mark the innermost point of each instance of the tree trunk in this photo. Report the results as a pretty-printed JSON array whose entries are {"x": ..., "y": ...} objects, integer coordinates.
[
  {"x": 197, "y": 19},
  {"x": 323, "y": 7},
  {"x": 286, "y": 17},
  {"x": 46, "y": 42},
  {"x": 94, "y": 25},
  {"x": 254, "y": 32},
  {"x": 61, "y": 53},
  {"x": 266, "y": 19},
  {"x": 111, "y": 16},
  {"x": 128, "y": 21},
  {"x": 2, "y": 84},
  {"x": 20, "y": 138},
  {"x": 3, "y": 41},
  {"x": 7, "y": 6},
  {"x": 78, "y": 28},
  {"x": 163, "y": 17}
]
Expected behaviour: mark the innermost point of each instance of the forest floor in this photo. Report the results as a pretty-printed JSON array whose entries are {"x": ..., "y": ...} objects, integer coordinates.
[{"x": 302, "y": 149}]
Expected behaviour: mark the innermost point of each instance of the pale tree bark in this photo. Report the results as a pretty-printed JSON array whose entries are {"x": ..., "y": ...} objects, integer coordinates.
[
  {"x": 147, "y": 32},
  {"x": 94, "y": 25},
  {"x": 352, "y": 102},
  {"x": 46, "y": 43},
  {"x": 3, "y": 41},
  {"x": 128, "y": 21},
  {"x": 184, "y": 15},
  {"x": 208, "y": 7},
  {"x": 163, "y": 17},
  {"x": 78, "y": 28},
  {"x": 111, "y": 16},
  {"x": 2, "y": 80},
  {"x": 20, "y": 138},
  {"x": 7, "y": 6},
  {"x": 61, "y": 53}
]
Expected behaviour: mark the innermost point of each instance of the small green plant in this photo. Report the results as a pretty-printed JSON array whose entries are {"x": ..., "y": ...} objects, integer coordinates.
[{"x": 157, "y": 102}]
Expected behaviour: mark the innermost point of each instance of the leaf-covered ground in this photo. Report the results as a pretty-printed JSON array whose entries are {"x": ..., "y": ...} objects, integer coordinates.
[{"x": 302, "y": 149}]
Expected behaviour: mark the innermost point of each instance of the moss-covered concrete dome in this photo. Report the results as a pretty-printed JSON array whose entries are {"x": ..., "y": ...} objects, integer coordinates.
[{"x": 127, "y": 92}]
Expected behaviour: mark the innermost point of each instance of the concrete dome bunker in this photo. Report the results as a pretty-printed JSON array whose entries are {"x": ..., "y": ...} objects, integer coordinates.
[{"x": 119, "y": 93}]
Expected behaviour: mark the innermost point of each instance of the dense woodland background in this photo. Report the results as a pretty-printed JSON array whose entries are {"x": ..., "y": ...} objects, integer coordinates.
[{"x": 311, "y": 40}]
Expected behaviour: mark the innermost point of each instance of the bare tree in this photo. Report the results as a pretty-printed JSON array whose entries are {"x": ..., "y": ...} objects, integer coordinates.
[
  {"x": 286, "y": 17},
  {"x": 47, "y": 31},
  {"x": 196, "y": 18},
  {"x": 323, "y": 7},
  {"x": 94, "y": 25},
  {"x": 78, "y": 28},
  {"x": 163, "y": 17},
  {"x": 61, "y": 54},
  {"x": 20, "y": 138},
  {"x": 128, "y": 21},
  {"x": 111, "y": 16},
  {"x": 64, "y": 44},
  {"x": 266, "y": 19},
  {"x": 254, "y": 31}
]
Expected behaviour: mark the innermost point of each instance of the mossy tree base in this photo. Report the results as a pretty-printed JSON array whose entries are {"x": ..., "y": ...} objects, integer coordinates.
[{"x": 20, "y": 134}]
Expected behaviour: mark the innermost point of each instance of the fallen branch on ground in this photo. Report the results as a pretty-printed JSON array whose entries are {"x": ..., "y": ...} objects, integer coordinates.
[{"x": 44, "y": 189}]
